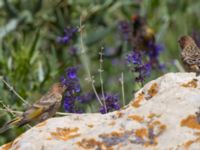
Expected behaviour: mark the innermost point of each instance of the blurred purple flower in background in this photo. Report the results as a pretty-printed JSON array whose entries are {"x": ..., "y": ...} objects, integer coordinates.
[
  {"x": 136, "y": 64},
  {"x": 111, "y": 102},
  {"x": 125, "y": 30},
  {"x": 73, "y": 50},
  {"x": 154, "y": 49},
  {"x": 154, "y": 53},
  {"x": 135, "y": 58},
  {"x": 73, "y": 90},
  {"x": 68, "y": 35},
  {"x": 145, "y": 55},
  {"x": 143, "y": 72},
  {"x": 73, "y": 98},
  {"x": 72, "y": 72},
  {"x": 86, "y": 98}
]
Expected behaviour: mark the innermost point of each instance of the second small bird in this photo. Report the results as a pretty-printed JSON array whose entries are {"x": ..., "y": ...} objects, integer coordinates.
[{"x": 190, "y": 54}]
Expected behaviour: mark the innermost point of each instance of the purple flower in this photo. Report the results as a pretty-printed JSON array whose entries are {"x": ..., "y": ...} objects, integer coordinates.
[
  {"x": 71, "y": 72},
  {"x": 69, "y": 104},
  {"x": 135, "y": 61},
  {"x": 125, "y": 29},
  {"x": 69, "y": 33},
  {"x": 162, "y": 67},
  {"x": 146, "y": 69},
  {"x": 86, "y": 98},
  {"x": 135, "y": 58},
  {"x": 143, "y": 72},
  {"x": 153, "y": 54},
  {"x": 73, "y": 89},
  {"x": 73, "y": 50},
  {"x": 73, "y": 98},
  {"x": 154, "y": 49},
  {"x": 111, "y": 102}
]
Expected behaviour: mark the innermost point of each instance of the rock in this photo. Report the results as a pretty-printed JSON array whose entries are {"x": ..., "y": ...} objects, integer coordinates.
[{"x": 164, "y": 115}]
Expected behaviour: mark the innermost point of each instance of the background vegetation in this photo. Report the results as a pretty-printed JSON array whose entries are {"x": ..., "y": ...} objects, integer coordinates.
[{"x": 31, "y": 58}]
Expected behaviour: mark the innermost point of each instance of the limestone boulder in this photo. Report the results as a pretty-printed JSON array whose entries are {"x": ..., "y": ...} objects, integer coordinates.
[{"x": 163, "y": 115}]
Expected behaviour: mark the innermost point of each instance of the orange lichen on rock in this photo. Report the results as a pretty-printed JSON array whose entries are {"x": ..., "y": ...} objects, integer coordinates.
[
  {"x": 153, "y": 90},
  {"x": 90, "y": 125},
  {"x": 115, "y": 138},
  {"x": 149, "y": 134},
  {"x": 119, "y": 114},
  {"x": 142, "y": 132},
  {"x": 41, "y": 124},
  {"x": 137, "y": 100},
  {"x": 49, "y": 138},
  {"x": 113, "y": 134},
  {"x": 136, "y": 118},
  {"x": 163, "y": 127},
  {"x": 197, "y": 134},
  {"x": 65, "y": 133},
  {"x": 155, "y": 129},
  {"x": 92, "y": 144},
  {"x": 7, "y": 146},
  {"x": 112, "y": 123},
  {"x": 191, "y": 84},
  {"x": 152, "y": 115},
  {"x": 153, "y": 143},
  {"x": 157, "y": 124},
  {"x": 190, "y": 142},
  {"x": 116, "y": 134},
  {"x": 191, "y": 122}
]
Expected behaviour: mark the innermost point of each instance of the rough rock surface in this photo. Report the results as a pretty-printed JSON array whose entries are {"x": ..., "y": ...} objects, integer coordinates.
[{"x": 162, "y": 116}]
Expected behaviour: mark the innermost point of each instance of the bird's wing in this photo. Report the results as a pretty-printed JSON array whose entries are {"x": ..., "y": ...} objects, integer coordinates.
[
  {"x": 192, "y": 60},
  {"x": 34, "y": 111},
  {"x": 39, "y": 107},
  {"x": 43, "y": 105},
  {"x": 49, "y": 98}
]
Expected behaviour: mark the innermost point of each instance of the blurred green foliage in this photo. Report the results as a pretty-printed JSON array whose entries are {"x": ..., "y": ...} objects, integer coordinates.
[{"x": 31, "y": 59}]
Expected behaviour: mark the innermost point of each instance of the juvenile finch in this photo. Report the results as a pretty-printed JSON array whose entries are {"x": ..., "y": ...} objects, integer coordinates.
[
  {"x": 143, "y": 35},
  {"x": 41, "y": 110},
  {"x": 190, "y": 54}
]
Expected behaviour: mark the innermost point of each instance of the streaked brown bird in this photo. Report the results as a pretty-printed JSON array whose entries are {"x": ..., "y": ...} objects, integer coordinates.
[
  {"x": 143, "y": 35},
  {"x": 190, "y": 54},
  {"x": 41, "y": 110}
]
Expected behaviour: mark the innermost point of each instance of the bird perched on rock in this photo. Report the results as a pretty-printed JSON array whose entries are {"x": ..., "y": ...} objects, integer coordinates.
[
  {"x": 190, "y": 54},
  {"x": 41, "y": 110},
  {"x": 143, "y": 35}
]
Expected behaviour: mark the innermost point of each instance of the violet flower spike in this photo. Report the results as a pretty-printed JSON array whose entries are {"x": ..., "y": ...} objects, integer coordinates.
[
  {"x": 111, "y": 102},
  {"x": 69, "y": 33}
]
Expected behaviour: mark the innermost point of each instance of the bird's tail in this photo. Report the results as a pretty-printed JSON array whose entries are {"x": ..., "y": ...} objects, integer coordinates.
[{"x": 9, "y": 124}]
